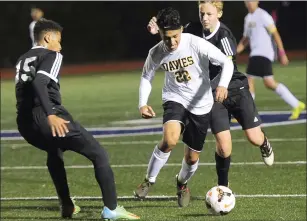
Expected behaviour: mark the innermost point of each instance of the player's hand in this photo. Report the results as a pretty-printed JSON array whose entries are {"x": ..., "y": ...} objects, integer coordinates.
[
  {"x": 284, "y": 60},
  {"x": 221, "y": 94},
  {"x": 147, "y": 112},
  {"x": 58, "y": 126},
  {"x": 152, "y": 26}
]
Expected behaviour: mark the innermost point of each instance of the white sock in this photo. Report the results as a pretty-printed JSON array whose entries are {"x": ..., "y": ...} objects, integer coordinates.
[
  {"x": 187, "y": 171},
  {"x": 286, "y": 95},
  {"x": 253, "y": 95},
  {"x": 157, "y": 161}
]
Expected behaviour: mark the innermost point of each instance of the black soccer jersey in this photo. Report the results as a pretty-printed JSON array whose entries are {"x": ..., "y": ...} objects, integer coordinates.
[
  {"x": 44, "y": 90},
  {"x": 223, "y": 39}
]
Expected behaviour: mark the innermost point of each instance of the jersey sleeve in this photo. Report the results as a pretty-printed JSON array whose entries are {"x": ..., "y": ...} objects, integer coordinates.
[
  {"x": 148, "y": 74},
  {"x": 150, "y": 67},
  {"x": 267, "y": 20},
  {"x": 215, "y": 55},
  {"x": 50, "y": 65},
  {"x": 227, "y": 45}
]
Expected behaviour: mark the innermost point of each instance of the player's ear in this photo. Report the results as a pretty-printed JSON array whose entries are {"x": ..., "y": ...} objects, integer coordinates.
[
  {"x": 47, "y": 37},
  {"x": 219, "y": 14}
]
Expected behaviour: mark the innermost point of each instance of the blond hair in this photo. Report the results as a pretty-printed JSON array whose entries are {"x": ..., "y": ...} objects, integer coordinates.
[{"x": 216, "y": 3}]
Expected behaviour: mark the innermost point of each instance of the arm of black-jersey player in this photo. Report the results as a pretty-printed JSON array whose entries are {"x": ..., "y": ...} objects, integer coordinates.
[
  {"x": 47, "y": 71},
  {"x": 227, "y": 45}
]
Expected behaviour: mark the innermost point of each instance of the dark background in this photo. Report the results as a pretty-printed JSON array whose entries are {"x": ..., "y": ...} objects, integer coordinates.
[{"x": 113, "y": 31}]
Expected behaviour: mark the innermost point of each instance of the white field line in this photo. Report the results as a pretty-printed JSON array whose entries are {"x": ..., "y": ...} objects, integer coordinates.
[
  {"x": 141, "y": 142},
  {"x": 145, "y": 165},
  {"x": 161, "y": 197}
]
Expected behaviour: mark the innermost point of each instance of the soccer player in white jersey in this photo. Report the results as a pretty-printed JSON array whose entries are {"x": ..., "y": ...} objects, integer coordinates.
[
  {"x": 187, "y": 97},
  {"x": 259, "y": 27},
  {"x": 36, "y": 14}
]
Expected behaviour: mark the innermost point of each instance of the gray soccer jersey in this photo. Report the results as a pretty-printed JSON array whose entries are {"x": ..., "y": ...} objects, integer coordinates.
[
  {"x": 255, "y": 28},
  {"x": 186, "y": 73}
]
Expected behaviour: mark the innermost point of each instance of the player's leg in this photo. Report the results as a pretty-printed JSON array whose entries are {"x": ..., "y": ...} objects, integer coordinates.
[
  {"x": 286, "y": 95},
  {"x": 81, "y": 141},
  {"x": 220, "y": 127},
  {"x": 247, "y": 115},
  {"x": 173, "y": 121},
  {"x": 39, "y": 135},
  {"x": 194, "y": 137},
  {"x": 254, "y": 69},
  {"x": 251, "y": 84}
]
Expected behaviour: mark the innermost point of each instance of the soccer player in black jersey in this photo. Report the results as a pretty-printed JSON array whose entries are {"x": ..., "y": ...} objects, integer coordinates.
[
  {"x": 46, "y": 124},
  {"x": 239, "y": 103}
]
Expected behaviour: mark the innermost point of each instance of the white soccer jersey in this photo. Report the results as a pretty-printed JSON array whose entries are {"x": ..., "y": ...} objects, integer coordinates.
[
  {"x": 31, "y": 30},
  {"x": 255, "y": 28},
  {"x": 186, "y": 73}
]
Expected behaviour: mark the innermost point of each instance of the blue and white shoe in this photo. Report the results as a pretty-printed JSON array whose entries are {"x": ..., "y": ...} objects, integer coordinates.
[{"x": 118, "y": 214}]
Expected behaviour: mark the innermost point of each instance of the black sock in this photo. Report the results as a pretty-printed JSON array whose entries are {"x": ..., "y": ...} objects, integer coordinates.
[
  {"x": 57, "y": 172},
  {"x": 222, "y": 168},
  {"x": 105, "y": 178}
]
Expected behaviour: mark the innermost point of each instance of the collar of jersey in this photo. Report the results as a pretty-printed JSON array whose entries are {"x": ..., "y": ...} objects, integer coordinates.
[{"x": 213, "y": 33}]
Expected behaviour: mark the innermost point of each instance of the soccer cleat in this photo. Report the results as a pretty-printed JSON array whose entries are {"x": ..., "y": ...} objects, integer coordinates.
[
  {"x": 234, "y": 120},
  {"x": 77, "y": 208},
  {"x": 69, "y": 209},
  {"x": 142, "y": 190},
  {"x": 267, "y": 153},
  {"x": 183, "y": 194},
  {"x": 297, "y": 111},
  {"x": 118, "y": 214}
]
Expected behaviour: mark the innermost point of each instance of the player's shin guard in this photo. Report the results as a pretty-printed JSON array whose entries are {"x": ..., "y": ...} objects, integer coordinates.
[
  {"x": 286, "y": 95},
  {"x": 187, "y": 171},
  {"x": 105, "y": 178},
  {"x": 157, "y": 161},
  {"x": 222, "y": 168}
]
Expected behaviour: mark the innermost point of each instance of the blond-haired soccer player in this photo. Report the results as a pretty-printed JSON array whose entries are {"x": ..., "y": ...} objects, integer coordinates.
[
  {"x": 259, "y": 27},
  {"x": 187, "y": 97},
  {"x": 239, "y": 103}
]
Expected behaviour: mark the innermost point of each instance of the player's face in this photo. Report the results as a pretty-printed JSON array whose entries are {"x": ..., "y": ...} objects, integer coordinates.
[
  {"x": 36, "y": 14},
  {"x": 171, "y": 38},
  {"x": 251, "y": 5},
  {"x": 208, "y": 15},
  {"x": 54, "y": 41}
]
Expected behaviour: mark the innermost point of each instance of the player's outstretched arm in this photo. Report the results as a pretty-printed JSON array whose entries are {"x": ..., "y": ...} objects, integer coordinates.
[
  {"x": 281, "y": 51},
  {"x": 152, "y": 26},
  {"x": 242, "y": 44}
]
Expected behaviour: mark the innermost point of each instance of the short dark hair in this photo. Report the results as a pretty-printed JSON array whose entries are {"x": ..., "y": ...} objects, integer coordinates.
[
  {"x": 44, "y": 25},
  {"x": 168, "y": 19}
]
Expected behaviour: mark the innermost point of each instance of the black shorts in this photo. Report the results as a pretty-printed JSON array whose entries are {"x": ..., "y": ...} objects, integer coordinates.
[
  {"x": 36, "y": 131},
  {"x": 259, "y": 66},
  {"x": 194, "y": 127},
  {"x": 240, "y": 105}
]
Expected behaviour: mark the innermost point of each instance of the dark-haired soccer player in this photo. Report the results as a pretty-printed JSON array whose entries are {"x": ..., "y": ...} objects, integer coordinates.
[
  {"x": 47, "y": 125},
  {"x": 239, "y": 102},
  {"x": 187, "y": 97}
]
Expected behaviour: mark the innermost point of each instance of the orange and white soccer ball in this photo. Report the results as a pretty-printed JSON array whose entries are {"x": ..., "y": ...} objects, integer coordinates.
[{"x": 220, "y": 200}]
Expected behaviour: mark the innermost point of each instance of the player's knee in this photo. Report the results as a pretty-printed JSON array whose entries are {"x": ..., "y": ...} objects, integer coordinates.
[
  {"x": 100, "y": 158},
  {"x": 168, "y": 143},
  {"x": 191, "y": 159},
  {"x": 255, "y": 136},
  {"x": 223, "y": 152},
  {"x": 270, "y": 84}
]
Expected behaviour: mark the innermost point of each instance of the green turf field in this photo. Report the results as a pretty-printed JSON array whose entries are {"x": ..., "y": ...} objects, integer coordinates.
[{"x": 275, "y": 193}]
